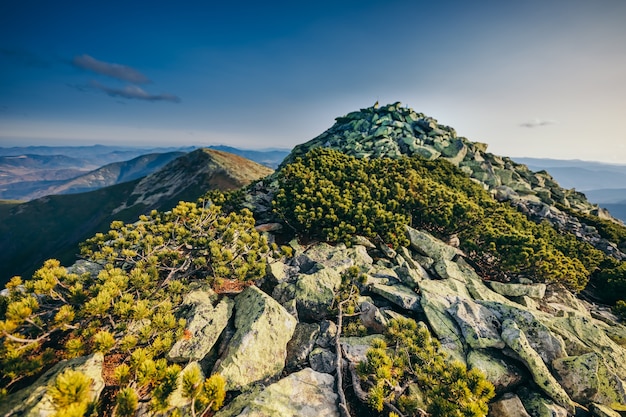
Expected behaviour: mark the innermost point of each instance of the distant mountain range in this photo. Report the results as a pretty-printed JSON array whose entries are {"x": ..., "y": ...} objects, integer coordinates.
[
  {"x": 52, "y": 226},
  {"x": 28, "y": 173},
  {"x": 602, "y": 183}
]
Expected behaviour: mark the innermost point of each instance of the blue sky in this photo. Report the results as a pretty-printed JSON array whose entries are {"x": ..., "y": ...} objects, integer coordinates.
[{"x": 530, "y": 78}]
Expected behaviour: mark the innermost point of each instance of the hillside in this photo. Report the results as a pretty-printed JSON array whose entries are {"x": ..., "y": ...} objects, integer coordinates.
[
  {"x": 107, "y": 175},
  {"x": 51, "y": 227},
  {"x": 387, "y": 268}
]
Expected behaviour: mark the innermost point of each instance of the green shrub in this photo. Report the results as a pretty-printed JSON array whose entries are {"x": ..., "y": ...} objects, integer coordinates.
[{"x": 409, "y": 357}]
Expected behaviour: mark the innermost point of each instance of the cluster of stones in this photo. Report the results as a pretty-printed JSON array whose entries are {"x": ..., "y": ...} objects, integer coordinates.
[
  {"x": 546, "y": 352},
  {"x": 393, "y": 130}
]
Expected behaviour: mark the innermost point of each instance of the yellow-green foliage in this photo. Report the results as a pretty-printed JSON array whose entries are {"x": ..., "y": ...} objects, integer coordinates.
[
  {"x": 70, "y": 393},
  {"x": 131, "y": 307},
  {"x": 332, "y": 196},
  {"x": 409, "y": 357}
]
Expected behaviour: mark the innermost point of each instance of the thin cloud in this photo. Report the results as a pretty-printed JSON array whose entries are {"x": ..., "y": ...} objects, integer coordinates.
[
  {"x": 134, "y": 92},
  {"x": 537, "y": 123},
  {"x": 120, "y": 72}
]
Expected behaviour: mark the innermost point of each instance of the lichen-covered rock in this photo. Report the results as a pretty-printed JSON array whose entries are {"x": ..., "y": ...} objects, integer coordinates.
[
  {"x": 428, "y": 245},
  {"x": 519, "y": 290},
  {"x": 259, "y": 346},
  {"x": 328, "y": 332},
  {"x": 323, "y": 360},
  {"x": 301, "y": 344},
  {"x": 599, "y": 410},
  {"x": 34, "y": 400},
  {"x": 400, "y": 295},
  {"x": 586, "y": 378},
  {"x": 508, "y": 406},
  {"x": 302, "y": 394},
  {"x": 205, "y": 324},
  {"x": 314, "y": 293},
  {"x": 355, "y": 348},
  {"x": 480, "y": 327},
  {"x": 539, "y": 406},
  {"x": 371, "y": 317},
  {"x": 517, "y": 341},
  {"x": 540, "y": 337},
  {"x": 503, "y": 374}
]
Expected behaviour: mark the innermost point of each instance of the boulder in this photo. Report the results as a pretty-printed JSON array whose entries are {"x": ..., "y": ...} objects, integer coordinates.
[
  {"x": 426, "y": 244},
  {"x": 599, "y": 410},
  {"x": 503, "y": 374},
  {"x": 519, "y": 290},
  {"x": 34, "y": 400},
  {"x": 355, "y": 348},
  {"x": 301, "y": 344},
  {"x": 480, "y": 327},
  {"x": 400, "y": 295},
  {"x": 302, "y": 394},
  {"x": 314, "y": 293},
  {"x": 258, "y": 348},
  {"x": 515, "y": 338},
  {"x": 508, "y": 406},
  {"x": 586, "y": 378},
  {"x": 323, "y": 360},
  {"x": 205, "y": 324},
  {"x": 372, "y": 318},
  {"x": 540, "y": 337},
  {"x": 328, "y": 332},
  {"x": 540, "y": 406}
]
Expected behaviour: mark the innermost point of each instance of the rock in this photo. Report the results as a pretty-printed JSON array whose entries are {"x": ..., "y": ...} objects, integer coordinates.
[
  {"x": 328, "y": 332},
  {"x": 302, "y": 394},
  {"x": 268, "y": 227},
  {"x": 501, "y": 373},
  {"x": 301, "y": 344},
  {"x": 507, "y": 406},
  {"x": 82, "y": 266},
  {"x": 426, "y": 244},
  {"x": 355, "y": 348},
  {"x": 539, "y": 406},
  {"x": 480, "y": 327},
  {"x": 400, "y": 295},
  {"x": 436, "y": 297},
  {"x": 517, "y": 341},
  {"x": 34, "y": 401},
  {"x": 205, "y": 324},
  {"x": 339, "y": 258},
  {"x": 540, "y": 337},
  {"x": 279, "y": 272},
  {"x": 314, "y": 293},
  {"x": 599, "y": 410},
  {"x": 372, "y": 318},
  {"x": 323, "y": 360},
  {"x": 586, "y": 378},
  {"x": 519, "y": 290},
  {"x": 259, "y": 347}
]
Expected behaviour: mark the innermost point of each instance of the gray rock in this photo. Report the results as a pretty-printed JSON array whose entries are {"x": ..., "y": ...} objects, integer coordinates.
[
  {"x": 302, "y": 394},
  {"x": 517, "y": 341},
  {"x": 372, "y": 318},
  {"x": 399, "y": 295},
  {"x": 355, "y": 348},
  {"x": 323, "y": 360},
  {"x": 314, "y": 293},
  {"x": 428, "y": 245},
  {"x": 480, "y": 327},
  {"x": 587, "y": 378},
  {"x": 539, "y": 406},
  {"x": 508, "y": 406},
  {"x": 34, "y": 400},
  {"x": 519, "y": 290},
  {"x": 259, "y": 347},
  {"x": 497, "y": 369},
  {"x": 599, "y": 410},
  {"x": 205, "y": 324},
  {"x": 328, "y": 332},
  {"x": 301, "y": 344}
]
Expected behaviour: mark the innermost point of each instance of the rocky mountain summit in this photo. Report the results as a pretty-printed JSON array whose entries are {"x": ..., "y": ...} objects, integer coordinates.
[{"x": 232, "y": 306}]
